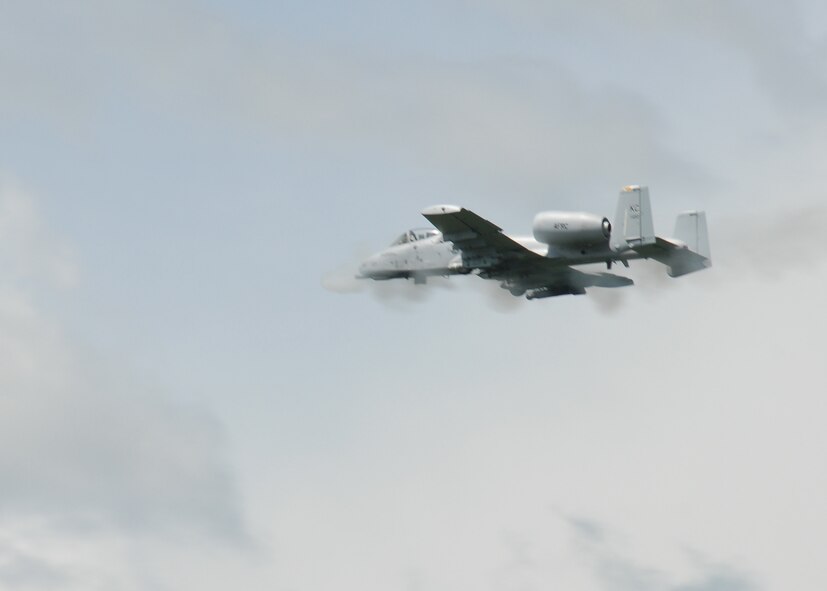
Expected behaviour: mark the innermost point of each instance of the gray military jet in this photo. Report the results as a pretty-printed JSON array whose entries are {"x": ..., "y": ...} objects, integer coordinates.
[{"x": 542, "y": 266}]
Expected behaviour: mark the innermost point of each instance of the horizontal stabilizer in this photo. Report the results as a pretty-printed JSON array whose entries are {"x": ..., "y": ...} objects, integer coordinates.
[{"x": 688, "y": 251}]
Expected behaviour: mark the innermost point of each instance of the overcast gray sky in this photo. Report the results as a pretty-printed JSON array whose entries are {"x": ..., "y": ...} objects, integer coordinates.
[{"x": 183, "y": 404}]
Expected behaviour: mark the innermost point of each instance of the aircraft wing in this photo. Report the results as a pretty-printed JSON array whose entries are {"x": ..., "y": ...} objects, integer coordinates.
[{"x": 482, "y": 244}]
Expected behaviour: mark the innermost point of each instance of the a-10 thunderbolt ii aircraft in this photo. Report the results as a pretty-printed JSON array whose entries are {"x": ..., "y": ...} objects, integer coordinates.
[{"x": 543, "y": 265}]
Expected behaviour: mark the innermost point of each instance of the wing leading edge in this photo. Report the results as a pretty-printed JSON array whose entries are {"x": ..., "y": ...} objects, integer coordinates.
[{"x": 481, "y": 243}]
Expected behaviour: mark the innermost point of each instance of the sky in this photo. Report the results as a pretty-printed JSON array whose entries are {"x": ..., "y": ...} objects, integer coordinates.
[{"x": 194, "y": 395}]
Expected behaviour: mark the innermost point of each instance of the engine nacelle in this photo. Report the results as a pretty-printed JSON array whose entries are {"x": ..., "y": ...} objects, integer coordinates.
[{"x": 571, "y": 229}]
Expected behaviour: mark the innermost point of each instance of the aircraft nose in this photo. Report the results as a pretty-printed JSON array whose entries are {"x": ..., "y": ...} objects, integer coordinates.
[{"x": 367, "y": 265}]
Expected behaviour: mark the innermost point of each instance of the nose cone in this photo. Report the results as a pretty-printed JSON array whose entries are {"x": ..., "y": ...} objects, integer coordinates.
[{"x": 368, "y": 267}]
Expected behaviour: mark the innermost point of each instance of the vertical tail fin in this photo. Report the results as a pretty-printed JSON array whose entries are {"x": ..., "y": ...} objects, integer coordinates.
[
  {"x": 633, "y": 225},
  {"x": 690, "y": 228},
  {"x": 686, "y": 252},
  {"x": 691, "y": 251}
]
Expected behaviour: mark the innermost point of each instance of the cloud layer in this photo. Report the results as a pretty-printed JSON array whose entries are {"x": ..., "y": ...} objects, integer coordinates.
[
  {"x": 447, "y": 447},
  {"x": 86, "y": 448}
]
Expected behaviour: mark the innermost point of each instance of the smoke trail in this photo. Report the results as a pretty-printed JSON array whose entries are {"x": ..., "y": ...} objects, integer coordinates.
[
  {"x": 342, "y": 281},
  {"x": 771, "y": 245},
  {"x": 399, "y": 293},
  {"x": 495, "y": 297},
  {"x": 607, "y": 301}
]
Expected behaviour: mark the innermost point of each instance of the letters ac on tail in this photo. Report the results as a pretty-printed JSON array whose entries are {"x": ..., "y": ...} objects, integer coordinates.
[{"x": 543, "y": 265}]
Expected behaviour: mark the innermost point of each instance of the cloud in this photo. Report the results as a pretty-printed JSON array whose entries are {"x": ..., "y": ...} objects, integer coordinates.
[
  {"x": 616, "y": 571},
  {"x": 21, "y": 568},
  {"x": 103, "y": 458},
  {"x": 27, "y": 248},
  {"x": 509, "y": 125},
  {"x": 84, "y": 445},
  {"x": 783, "y": 59},
  {"x": 586, "y": 529}
]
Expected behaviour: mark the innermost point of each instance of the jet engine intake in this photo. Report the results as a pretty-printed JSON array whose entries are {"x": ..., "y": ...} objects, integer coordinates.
[{"x": 570, "y": 229}]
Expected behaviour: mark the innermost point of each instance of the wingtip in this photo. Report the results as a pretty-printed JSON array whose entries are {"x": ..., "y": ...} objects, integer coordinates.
[{"x": 441, "y": 209}]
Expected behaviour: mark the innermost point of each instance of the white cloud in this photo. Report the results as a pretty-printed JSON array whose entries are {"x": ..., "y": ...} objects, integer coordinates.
[
  {"x": 692, "y": 417},
  {"x": 785, "y": 60},
  {"x": 27, "y": 249},
  {"x": 513, "y": 125},
  {"x": 85, "y": 447},
  {"x": 615, "y": 570},
  {"x": 23, "y": 567}
]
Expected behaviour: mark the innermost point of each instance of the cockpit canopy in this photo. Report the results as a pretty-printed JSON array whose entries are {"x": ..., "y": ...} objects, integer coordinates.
[{"x": 414, "y": 235}]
